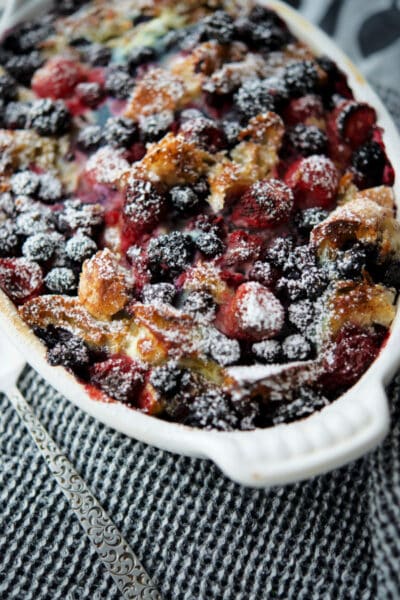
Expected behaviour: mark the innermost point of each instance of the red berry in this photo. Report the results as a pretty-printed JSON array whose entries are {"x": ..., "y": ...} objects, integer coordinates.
[
  {"x": 352, "y": 122},
  {"x": 142, "y": 210},
  {"x": 314, "y": 181},
  {"x": 205, "y": 133},
  {"x": 119, "y": 377},
  {"x": 265, "y": 204},
  {"x": 241, "y": 248},
  {"x": 58, "y": 78},
  {"x": 300, "y": 110},
  {"x": 20, "y": 279},
  {"x": 348, "y": 357},
  {"x": 253, "y": 314}
]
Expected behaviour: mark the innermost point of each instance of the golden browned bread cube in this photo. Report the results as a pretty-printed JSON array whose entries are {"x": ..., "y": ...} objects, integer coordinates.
[{"x": 157, "y": 91}]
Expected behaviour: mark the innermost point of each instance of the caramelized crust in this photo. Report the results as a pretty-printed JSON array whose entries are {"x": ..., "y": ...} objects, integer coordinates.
[{"x": 157, "y": 91}]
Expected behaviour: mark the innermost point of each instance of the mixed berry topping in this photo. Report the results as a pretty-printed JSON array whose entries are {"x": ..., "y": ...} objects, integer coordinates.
[{"x": 196, "y": 215}]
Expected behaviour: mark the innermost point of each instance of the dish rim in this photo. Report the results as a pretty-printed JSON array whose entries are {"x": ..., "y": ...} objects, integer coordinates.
[{"x": 341, "y": 432}]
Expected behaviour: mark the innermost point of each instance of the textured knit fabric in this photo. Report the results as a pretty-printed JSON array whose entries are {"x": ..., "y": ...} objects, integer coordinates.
[{"x": 200, "y": 536}]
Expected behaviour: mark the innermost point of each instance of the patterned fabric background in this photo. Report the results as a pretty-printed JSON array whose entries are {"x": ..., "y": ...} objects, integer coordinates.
[{"x": 200, "y": 536}]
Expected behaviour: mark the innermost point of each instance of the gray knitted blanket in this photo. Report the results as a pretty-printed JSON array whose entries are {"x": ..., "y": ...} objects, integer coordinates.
[{"x": 200, "y": 536}]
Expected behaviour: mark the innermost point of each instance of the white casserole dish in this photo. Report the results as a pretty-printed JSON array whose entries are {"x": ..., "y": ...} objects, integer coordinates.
[{"x": 343, "y": 431}]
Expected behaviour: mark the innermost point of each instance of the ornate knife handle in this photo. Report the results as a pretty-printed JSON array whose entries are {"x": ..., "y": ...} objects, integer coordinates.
[{"x": 113, "y": 550}]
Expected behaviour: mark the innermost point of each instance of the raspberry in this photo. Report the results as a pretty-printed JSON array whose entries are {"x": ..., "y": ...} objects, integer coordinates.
[
  {"x": 90, "y": 93},
  {"x": 16, "y": 115},
  {"x": 24, "y": 183},
  {"x": 268, "y": 351},
  {"x": 39, "y": 247},
  {"x": 49, "y": 117},
  {"x": 241, "y": 248},
  {"x": 306, "y": 403},
  {"x": 119, "y": 377},
  {"x": 23, "y": 67},
  {"x": 120, "y": 132},
  {"x": 140, "y": 55},
  {"x": 314, "y": 181},
  {"x": 158, "y": 293},
  {"x": 20, "y": 279},
  {"x": 348, "y": 357},
  {"x": 254, "y": 98},
  {"x": 50, "y": 188},
  {"x": 154, "y": 127},
  {"x": 167, "y": 378},
  {"x": 184, "y": 199},
  {"x": 200, "y": 305},
  {"x": 353, "y": 121},
  {"x": 267, "y": 203},
  {"x": 170, "y": 254},
  {"x": 70, "y": 352},
  {"x": 296, "y": 347},
  {"x": 212, "y": 410},
  {"x": 369, "y": 160},
  {"x": 253, "y": 314},
  {"x": 307, "y": 140},
  {"x": 90, "y": 138},
  {"x": 143, "y": 208},
  {"x": 300, "y": 110},
  {"x": 301, "y": 77},
  {"x": 58, "y": 78},
  {"x": 219, "y": 26},
  {"x": 61, "y": 280},
  {"x": 118, "y": 82},
  {"x": 8, "y": 88},
  {"x": 210, "y": 244},
  {"x": 204, "y": 133},
  {"x": 8, "y": 239},
  {"x": 262, "y": 272},
  {"x": 80, "y": 247}
]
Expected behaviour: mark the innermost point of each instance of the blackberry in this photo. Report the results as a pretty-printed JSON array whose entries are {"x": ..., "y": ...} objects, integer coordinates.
[
  {"x": 154, "y": 127},
  {"x": 170, "y": 254},
  {"x": 167, "y": 378},
  {"x": 138, "y": 56},
  {"x": 268, "y": 351},
  {"x": 391, "y": 275},
  {"x": 218, "y": 26},
  {"x": 296, "y": 347},
  {"x": 212, "y": 410},
  {"x": 223, "y": 350},
  {"x": 96, "y": 55},
  {"x": 351, "y": 263},
  {"x": 118, "y": 82},
  {"x": 301, "y": 314},
  {"x": 231, "y": 131},
  {"x": 307, "y": 402},
  {"x": 50, "y": 188},
  {"x": 200, "y": 305},
  {"x": 8, "y": 88},
  {"x": 33, "y": 221},
  {"x": 370, "y": 160},
  {"x": 253, "y": 98},
  {"x": 210, "y": 244},
  {"x": 158, "y": 293},
  {"x": 90, "y": 138},
  {"x": 39, "y": 247},
  {"x": 303, "y": 258},
  {"x": 308, "y": 139},
  {"x": 120, "y": 132},
  {"x": 16, "y": 115},
  {"x": 313, "y": 282},
  {"x": 67, "y": 7},
  {"x": 184, "y": 199},
  {"x": 80, "y": 247},
  {"x": 301, "y": 78},
  {"x": 61, "y": 280},
  {"x": 22, "y": 67},
  {"x": 77, "y": 215},
  {"x": 262, "y": 272},
  {"x": 90, "y": 93},
  {"x": 309, "y": 218},
  {"x": 119, "y": 377},
  {"x": 279, "y": 251},
  {"x": 291, "y": 288},
  {"x": 263, "y": 29},
  {"x": 144, "y": 205},
  {"x": 49, "y": 117},
  {"x": 8, "y": 239},
  {"x": 28, "y": 35},
  {"x": 204, "y": 132},
  {"x": 71, "y": 352},
  {"x": 25, "y": 183}
]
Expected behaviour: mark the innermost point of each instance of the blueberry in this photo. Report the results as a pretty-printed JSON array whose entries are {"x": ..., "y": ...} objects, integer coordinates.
[
  {"x": 219, "y": 26},
  {"x": 61, "y": 280},
  {"x": 118, "y": 82},
  {"x": 308, "y": 140},
  {"x": 158, "y": 293},
  {"x": 296, "y": 347},
  {"x": 25, "y": 183},
  {"x": 120, "y": 132},
  {"x": 138, "y": 56},
  {"x": 253, "y": 98},
  {"x": 268, "y": 351},
  {"x": 167, "y": 378},
  {"x": 170, "y": 254},
  {"x": 80, "y": 247},
  {"x": 90, "y": 138},
  {"x": 301, "y": 77},
  {"x": 38, "y": 247},
  {"x": 154, "y": 127},
  {"x": 49, "y": 117},
  {"x": 8, "y": 239},
  {"x": 210, "y": 244},
  {"x": 184, "y": 199}
]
